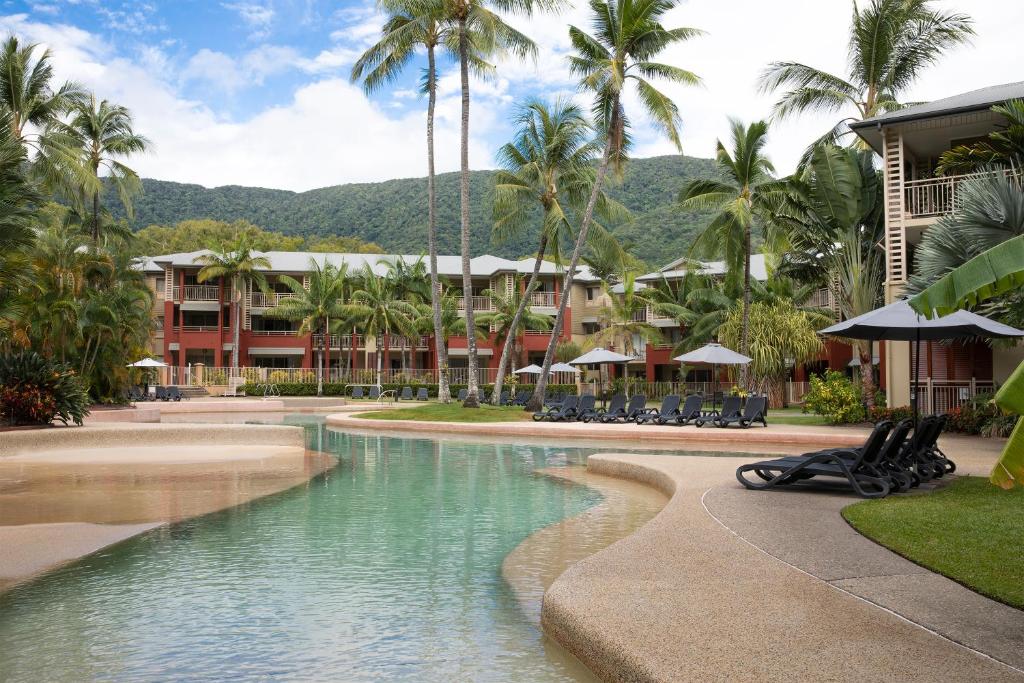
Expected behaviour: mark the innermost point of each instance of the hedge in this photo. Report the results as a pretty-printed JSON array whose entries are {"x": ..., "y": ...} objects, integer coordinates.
[{"x": 342, "y": 389}]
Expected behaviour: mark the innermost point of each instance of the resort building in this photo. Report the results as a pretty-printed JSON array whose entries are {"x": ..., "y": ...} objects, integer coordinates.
[{"x": 910, "y": 142}]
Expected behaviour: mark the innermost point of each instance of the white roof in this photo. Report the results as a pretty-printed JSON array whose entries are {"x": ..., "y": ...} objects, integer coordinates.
[
  {"x": 677, "y": 269},
  {"x": 298, "y": 262}
]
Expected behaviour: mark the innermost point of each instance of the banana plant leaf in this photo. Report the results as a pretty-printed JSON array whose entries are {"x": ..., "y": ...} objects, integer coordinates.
[
  {"x": 998, "y": 270},
  {"x": 1009, "y": 471}
]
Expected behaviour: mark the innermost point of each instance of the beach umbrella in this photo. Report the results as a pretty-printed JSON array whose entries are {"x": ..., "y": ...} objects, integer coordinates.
[
  {"x": 899, "y": 322},
  {"x": 529, "y": 370},
  {"x": 714, "y": 355},
  {"x": 563, "y": 367},
  {"x": 600, "y": 356},
  {"x": 147, "y": 363}
]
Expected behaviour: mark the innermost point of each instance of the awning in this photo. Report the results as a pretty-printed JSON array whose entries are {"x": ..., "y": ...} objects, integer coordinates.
[{"x": 276, "y": 351}]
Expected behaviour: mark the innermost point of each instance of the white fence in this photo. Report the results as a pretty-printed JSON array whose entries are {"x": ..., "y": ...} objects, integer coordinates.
[{"x": 944, "y": 396}]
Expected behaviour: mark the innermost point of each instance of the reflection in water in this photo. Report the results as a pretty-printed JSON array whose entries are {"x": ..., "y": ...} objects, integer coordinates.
[{"x": 386, "y": 567}]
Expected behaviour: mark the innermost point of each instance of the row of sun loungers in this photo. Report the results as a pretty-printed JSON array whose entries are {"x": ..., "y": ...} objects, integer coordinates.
[
  {"x": 691, "y": 412},
  {"x": 171, "y": 393},
  {"x": 894, "y": 458}
]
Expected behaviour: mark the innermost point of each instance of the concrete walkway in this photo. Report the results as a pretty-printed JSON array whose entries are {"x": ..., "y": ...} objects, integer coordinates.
[{"x": 686, "y": 598}]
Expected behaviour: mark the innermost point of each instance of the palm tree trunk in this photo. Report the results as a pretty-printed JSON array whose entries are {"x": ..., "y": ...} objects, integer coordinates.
[
  {"x": 867, "y": 376},
  {"x": 472, "y": 389},
  {"x": 506, "y": 351},
  {"x": 320, "y": 361},
  {"x": 744, "y": 329},
  {"x": 444, "y": 393},
  {"x": 95, "y": 218},
  {"x": 536, "y": 401},
  {"x": 235, "y": 324}
]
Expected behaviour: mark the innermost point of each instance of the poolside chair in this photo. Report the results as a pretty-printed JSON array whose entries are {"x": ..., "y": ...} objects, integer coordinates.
[
  {"x": 692, "y": 410},
  {"x": 463, "y": 393},
  {"x": 406, "y": 394},
  {"x": 586, "y": 410},
  {"x": 730, "y": 411},
  {"x": 173, "y": 394},
  {"x": 565, "y": 411},
  {"x": 636, "y": 406},
  {"x": 503, "y": 398},
  {"x": 859, "y": 467},
  {"x": 357, "y": 392},
  {"x": 553, "y": 399},
  {"x": 375, "y": 392},
  {"x": 753, "y": 411},
  {"x": 422, "y": 394},
  {"x": 522, "y": 396},
  {"x": 617, "y": 406},
  {"x": 922, "y": 456},
  {"x": 136, "y": 393},
  {"x": 669, "y": 410},
  {"x": 161, "y": 394}
]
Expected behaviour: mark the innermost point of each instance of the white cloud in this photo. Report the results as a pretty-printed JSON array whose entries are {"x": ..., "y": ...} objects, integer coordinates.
[{"x": 257, "y": 16}]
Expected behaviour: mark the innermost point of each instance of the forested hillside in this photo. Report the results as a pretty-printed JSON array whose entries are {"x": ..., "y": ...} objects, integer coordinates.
[{"x": 393, "y": 213}]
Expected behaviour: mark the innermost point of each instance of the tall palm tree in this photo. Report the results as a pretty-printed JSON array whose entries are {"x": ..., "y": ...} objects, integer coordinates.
[
  {"x": 18, "y": 198},
  {"x": 412, "y": 284},
  {"x": 239, "y": 265},
  {"x": 549, "y": 162},
  {"x": 698, "y": 302},
  {"x": 510, "y": 318},
  {"x": 412, "y": 24},
  {"x": 622, "y": 322},
  {"x": 381, "y": 310},
  {"x": 627, "y": 38},
  {"x": 481, "y": 28},
  {"x": 891, "y": 43},
  {"x": 103, "y": 135},
  {"x": 315, "y": 306},
  {"x": 738, "y": 198}
]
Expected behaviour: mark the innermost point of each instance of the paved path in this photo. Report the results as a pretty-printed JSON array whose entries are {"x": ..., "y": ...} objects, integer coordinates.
[{"x": 686, "y": 598}]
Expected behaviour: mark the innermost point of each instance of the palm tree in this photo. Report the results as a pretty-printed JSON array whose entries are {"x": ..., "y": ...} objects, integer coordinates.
[
  {"x": 103, "y": 135},
  {"x": 18, "y": 198},
  {"x": 315, "y": 306},
  {"x": 550, "y": 162},
  {"x": 891, "y": 43},
  {"x": 510, "y": 318},
  {"x": 738, "y": 198},
  {"x": 481, "y": 28},
  {"x": 239, "y": 265},
  {"x": 698, "y": 302},
  {"x": 628, "y": 37},
  {"x": 412, "y": 24},
  {"x": 624, "y": 320},
  {"x": 1004, "y": 147},
  {"x": 378, "y": 305}
]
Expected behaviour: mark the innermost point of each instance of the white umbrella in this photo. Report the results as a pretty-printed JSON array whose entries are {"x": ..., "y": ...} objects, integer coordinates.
[
  {"x": 714, "y": 355},
  {"x": 529, "y": 370},
  {"x": 147, "y": 363},
  {"x": 563, "y": 367},
  {"x": 600, "y": 356}
]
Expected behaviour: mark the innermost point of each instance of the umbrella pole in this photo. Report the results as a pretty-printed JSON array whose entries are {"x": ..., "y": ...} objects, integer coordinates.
[
  {"x": 714, "y": 393},
  {"x": 917, "y": 374}
]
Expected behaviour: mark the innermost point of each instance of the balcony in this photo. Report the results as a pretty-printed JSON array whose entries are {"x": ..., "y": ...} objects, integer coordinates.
[
  {"x": 261, "y": 300},
  {"x": 821, "y": 298},
  {"x": 274, "y": 333},
  {"x": 204, "y": 328},
  {"x": 480, "y": 303},
  {"x": 543, "y": 299},
  {"x": 200, "y": 293},
  {"x": 932, "y": 197}
]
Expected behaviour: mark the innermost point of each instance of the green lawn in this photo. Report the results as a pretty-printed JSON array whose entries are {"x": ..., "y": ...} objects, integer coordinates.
[
  {"x": 793, "y": 416},
  {"x": 970, "y": 531},
  {"x": 453, "y": 412}
]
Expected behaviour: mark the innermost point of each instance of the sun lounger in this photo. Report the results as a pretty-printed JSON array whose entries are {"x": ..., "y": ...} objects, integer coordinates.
[
  {"x": 503, "y": 398},
  {"x": 406, "y": 394},
  {"x": 586, "y": 410},
  {"x": 669, "y": 410},
  {"x": 161, "y": 394},
  {"x": 692, "y": 410},
  {"x": 463, "y": 393},
  {"x": 173, "y": 394},
  {"x": 522, "y": 396},
  {"x": 636, "y": 406},
  {"x": 374, "y": 393},
  {"x": 422, "y": 394},
  {"x": 861, "y": 468},
  {"x": 357, "y": 392},
  {"x": 731, "y": 410},
  {"x": 137, "y": 394},
  {"x": 753, "y": 411},
  {"x": 617, "y": 406},
  {"x": 565, "y": 411}
]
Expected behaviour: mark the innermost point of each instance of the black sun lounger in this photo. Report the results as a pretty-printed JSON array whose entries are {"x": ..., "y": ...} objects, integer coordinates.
[
  {"x": 616, "y": 406},
  {"x": 421, "y": 394},
  {"x": 731, "y": 410},
  {"x": 635, "y": 407},
  {"x": 522, "y": 396},
  {"x": 692, "y": 410},
  {"x": 586, "y": 410},
  {"x": 357, "y": 392},
  {"x": 463, "y": 393},
  {"x": 753, "y": 411},
  {"x": 565, "y": 411},
  {"x": 374, "y": 392},
  {"x": 406, "y": 394},
  {"x": 669, "y": 410},
  {"x": 860, "y": 467}
]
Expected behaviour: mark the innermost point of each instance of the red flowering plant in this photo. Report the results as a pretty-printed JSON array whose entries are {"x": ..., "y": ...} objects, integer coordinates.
[{"x": 36, "y": 390}]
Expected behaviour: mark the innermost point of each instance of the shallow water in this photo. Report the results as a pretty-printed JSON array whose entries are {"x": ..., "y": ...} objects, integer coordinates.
[{"x": 388, "y": 566}]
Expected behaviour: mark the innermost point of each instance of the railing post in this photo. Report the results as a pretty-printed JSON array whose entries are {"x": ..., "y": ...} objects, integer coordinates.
[{"x": 930, "y": 398}]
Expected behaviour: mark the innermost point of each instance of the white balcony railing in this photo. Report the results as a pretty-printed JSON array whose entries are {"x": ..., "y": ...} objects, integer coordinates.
[
  {"x": 261, "y": 300},
  {"x": 821, "y": 298},
  {"x": 200, "y": 293},
  {"x": 480, "y": 303},
  {"x": 931, "y": 197},
  {"x": 545, "y": 299},
  {"x": 274, "y": 333}
]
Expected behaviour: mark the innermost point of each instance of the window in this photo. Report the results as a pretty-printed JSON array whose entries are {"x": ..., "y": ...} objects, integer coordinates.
[
  {"x": 160, "y": 284},
  {"x": 591, "y": 293},
  {"x": 590, "y": 328},
  {"x": 158, "y": 323}
]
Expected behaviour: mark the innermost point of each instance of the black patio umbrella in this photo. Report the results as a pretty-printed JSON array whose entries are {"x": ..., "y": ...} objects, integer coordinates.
[{"x": 899, "y": 322}]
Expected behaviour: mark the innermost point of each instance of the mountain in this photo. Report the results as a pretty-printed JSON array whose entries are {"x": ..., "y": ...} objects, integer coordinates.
[{"x": 392, "y": 213}]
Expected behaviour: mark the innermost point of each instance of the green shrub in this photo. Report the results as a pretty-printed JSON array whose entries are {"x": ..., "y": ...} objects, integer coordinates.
[
  {"x": 835, "y": 398},
  {"x": 891, "y": 414},
  {"x": 35, "y": 390},
  {"x": 981, "y": 416}
]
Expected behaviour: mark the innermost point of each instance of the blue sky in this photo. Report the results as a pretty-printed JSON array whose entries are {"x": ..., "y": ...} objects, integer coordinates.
[{"x": 256, "y": 92}]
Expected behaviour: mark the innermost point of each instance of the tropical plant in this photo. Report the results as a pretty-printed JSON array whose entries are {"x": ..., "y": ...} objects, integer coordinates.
[
  {"x": 1001, "y": 148},
  {"x": 238, "y": 265},
  {"x": 381, "y": 310},
  {"x": 699, "y": 302},
  {"x": 548, "y": 163},
  {"x": 627, "y": 38},
  {"x": 738, "y": 199},
  {"x": 780, "y": 335},
  {"x": 314, "y": 306},
  {"x": 567, "y": 350},
  {"x": 835, "y": 398},
  {"x": 101, "y": 136},
  {"x": 18, "y": 200},
  {"x": 510, "y": 318},
  {"x": 891, "y": 43},
  {"x": 35, "y": 390},
  {"x": 624, "y": 319},
  {"x": 829, "y": 218}
]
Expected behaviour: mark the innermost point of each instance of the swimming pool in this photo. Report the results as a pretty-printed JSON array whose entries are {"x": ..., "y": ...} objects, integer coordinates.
[{"x": 386, "y": 567}]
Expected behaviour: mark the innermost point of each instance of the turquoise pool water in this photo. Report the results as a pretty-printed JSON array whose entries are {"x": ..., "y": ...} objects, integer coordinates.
[{"x": 385, "y": 568}]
